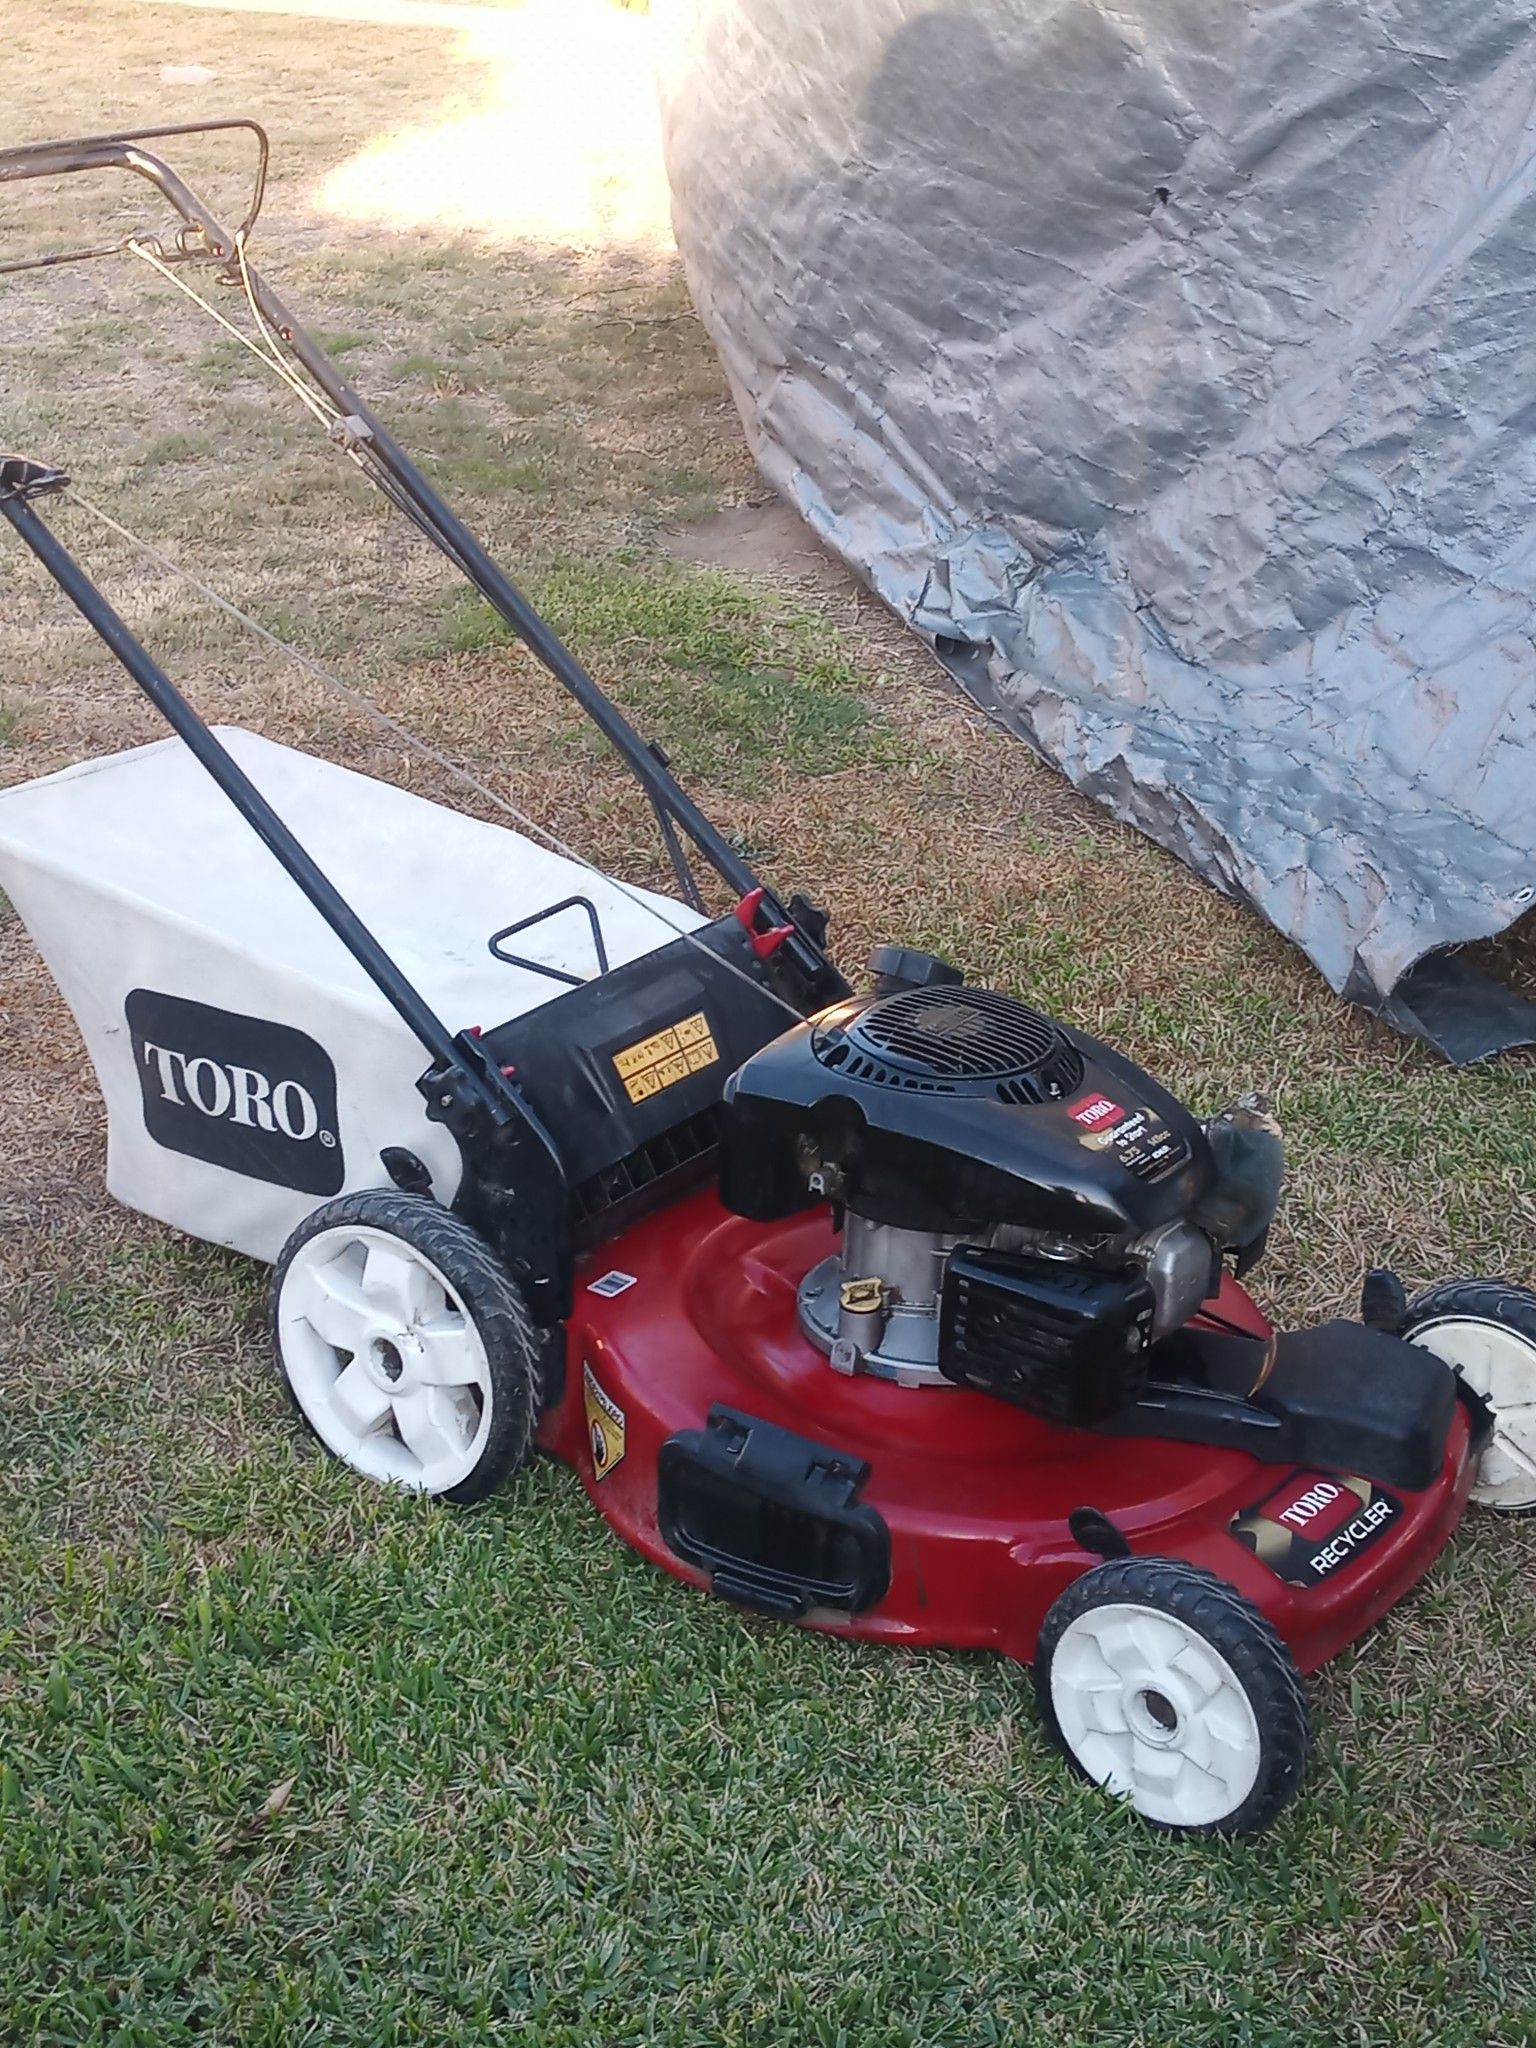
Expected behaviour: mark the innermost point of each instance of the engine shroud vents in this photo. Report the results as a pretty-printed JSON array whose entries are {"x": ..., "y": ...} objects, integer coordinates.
[{"x": 953, "y": 1041}]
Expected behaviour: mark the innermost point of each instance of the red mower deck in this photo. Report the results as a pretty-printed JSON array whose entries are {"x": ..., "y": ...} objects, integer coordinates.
[{"x": 695, "y": 1307}]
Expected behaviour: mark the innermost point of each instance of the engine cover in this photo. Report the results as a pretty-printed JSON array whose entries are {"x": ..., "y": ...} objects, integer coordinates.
[{"x": 955, "y": 1109}]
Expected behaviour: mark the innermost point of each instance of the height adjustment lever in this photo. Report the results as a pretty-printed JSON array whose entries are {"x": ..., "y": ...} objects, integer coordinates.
[{"x": 767, "y": 940}]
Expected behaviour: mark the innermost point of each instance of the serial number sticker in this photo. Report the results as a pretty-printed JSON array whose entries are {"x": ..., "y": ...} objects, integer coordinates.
[
  {"x": 666, "y": 1057},
  {"x": 612, "y": 1283},
  {"x": 1315, "y": 1524}
]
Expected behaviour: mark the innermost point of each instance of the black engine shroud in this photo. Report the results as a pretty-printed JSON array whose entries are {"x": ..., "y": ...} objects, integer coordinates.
[{"x": 953, "y": 1109}]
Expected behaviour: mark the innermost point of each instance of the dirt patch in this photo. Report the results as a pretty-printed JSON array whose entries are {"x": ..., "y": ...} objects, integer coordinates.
[{"x": 762, "y": 538}]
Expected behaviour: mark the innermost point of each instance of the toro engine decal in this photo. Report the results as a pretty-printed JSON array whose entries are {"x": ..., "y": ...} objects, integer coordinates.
[
  {"x": 605, "y": 1425},
  {"x": 243, "y": 1093},
  {"x": 1315, "y": 1524},
  {"x": 1138, "y": 1138}
]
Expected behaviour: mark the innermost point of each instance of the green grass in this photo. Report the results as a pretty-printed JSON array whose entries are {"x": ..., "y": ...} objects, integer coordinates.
[
  {"x": 726, "y": 679},
  {"x": 171, "y": 448},
  {"x": 342, "y": 341},
  {"x": 535, "y": 1786}
]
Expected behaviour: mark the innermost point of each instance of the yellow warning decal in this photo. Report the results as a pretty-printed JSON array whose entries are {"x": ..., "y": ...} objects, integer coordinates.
[
  {"x": 605, "y": 1425},
  {"x": 667, "y": 1057}
]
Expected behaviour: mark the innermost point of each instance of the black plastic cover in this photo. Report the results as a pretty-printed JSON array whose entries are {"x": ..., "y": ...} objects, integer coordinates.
[
  {"x": 1338, "y": 1395},
  {"x": 1065, "y": 1342},
  {"x": 627, "y": 1071},
  {"x": 774, "y": 1518},
  {"x": 1116, "y": 1154},
  {"x": 905, "y": 967}
]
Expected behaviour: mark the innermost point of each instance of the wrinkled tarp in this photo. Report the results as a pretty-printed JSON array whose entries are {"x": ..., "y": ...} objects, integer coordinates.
[{"x": 1172, "y": 368}]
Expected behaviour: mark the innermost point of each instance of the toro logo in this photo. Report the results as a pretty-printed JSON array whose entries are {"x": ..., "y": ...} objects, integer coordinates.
[
  {"x": 1315, "y": 1524},
  {"x": 1302, "y": 1510},
  {"x": 254, "y": 1097},
  {"x": 1093, "y": 1112}
]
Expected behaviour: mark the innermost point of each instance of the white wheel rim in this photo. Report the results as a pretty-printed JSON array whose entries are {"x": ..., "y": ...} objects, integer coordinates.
[
  {"x": 1155, "y": 1715},
  {"x": 383, "y": 1358},
  {"x": 1500, "y": 1364}
]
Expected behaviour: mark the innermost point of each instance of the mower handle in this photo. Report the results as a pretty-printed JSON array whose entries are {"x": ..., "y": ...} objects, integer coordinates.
[
  {"x": 803, "y": 962},
  {"x": 121, "y": 153}
]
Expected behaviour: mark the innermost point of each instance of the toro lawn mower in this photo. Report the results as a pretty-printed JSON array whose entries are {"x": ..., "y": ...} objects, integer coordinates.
[{"x": 910, "y": 1314}]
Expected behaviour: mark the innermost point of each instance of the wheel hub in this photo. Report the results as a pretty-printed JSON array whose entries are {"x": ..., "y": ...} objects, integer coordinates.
[
  {"x": 1155, "y": 1713},
  {"x": 1152, "y": 1716},
  {"x": 392, "y": 1358},
  {"x": 386, "y": 1364}
]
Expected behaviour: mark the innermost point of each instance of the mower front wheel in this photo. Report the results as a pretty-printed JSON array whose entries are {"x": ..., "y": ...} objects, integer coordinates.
[
  {"x": 405, "y": 1344},
  {"x": 1165, "y": 1686},
  {"x": 1486, "y": 1333}
]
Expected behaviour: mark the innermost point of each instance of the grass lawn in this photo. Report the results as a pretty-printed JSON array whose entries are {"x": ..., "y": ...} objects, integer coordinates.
[{"x": 285, "y": 1760}]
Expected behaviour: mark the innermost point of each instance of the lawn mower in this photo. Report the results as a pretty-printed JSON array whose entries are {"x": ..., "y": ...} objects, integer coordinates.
[{"x": 908, "y": 1313}]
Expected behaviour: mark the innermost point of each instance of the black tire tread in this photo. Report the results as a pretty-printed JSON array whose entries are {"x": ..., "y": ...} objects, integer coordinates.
[
  {"x": 489, "y": 1296},
  {"x": 1233, "y": 1626},
  {"x": 1489, "y": 1301}
]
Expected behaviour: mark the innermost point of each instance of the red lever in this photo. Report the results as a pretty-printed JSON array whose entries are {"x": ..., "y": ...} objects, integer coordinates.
[{"x": 763, "y": 943}]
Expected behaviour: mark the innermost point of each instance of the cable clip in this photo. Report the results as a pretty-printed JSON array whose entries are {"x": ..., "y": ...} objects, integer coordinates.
[
  {"x": 22, "y": 478},
  {"x": 351, "y": 431}
]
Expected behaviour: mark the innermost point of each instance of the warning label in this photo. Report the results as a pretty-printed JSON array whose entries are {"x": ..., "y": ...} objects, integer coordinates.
[
  {"x": 1138, "y": 1138},
  {"x": 666, "y": 1057},
  {"x": 1315, "y": 1524},
  {"x": 605, "y": 1425}
]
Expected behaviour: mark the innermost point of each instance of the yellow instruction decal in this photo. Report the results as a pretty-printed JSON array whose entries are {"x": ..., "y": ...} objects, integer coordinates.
[
  {"x": 605, "y": 1425},
  {"x": 667, "y": 1057}
]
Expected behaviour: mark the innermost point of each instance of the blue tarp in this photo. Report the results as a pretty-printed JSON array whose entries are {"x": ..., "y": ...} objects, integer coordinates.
[{"x": 1172, "y": 369}]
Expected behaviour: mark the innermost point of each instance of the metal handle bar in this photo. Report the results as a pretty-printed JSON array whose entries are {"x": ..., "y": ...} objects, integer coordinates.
[
  {"x": 375, "y": 448},
  {"x": 119, "y": 153},
  {"x": 21, "y": 482}
]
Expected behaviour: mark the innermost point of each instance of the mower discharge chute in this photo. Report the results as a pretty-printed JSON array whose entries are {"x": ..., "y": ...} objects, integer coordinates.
[{"x": 911, "y": 1314}]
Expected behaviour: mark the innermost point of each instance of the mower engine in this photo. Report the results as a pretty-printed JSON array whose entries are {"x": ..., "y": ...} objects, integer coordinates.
[{"x": 1022, "y": 1209}]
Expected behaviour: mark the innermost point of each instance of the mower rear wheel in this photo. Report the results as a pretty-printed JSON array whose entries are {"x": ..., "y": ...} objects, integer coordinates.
[
  {"x": 1165, "y": 1686},
  {"x": 1486, "y": 1333},
  {"x": 405, "y": 1345}
]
